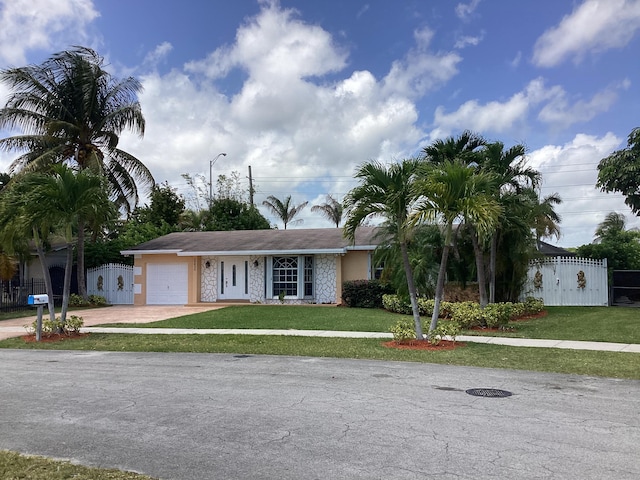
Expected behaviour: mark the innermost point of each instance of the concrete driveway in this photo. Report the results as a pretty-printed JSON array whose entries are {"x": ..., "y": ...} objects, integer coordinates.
[
  {"x": 222, "y": 416},
  {"x": 113, "y": 314}
]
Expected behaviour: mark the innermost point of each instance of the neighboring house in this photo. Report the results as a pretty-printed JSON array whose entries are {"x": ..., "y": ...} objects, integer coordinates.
[
  {"x": 258, "y": 266},
  {"x": 549, "y": 250}
]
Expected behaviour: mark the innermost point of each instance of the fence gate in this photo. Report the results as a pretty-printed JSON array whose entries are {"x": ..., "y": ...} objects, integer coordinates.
[
  {"x": 113, "y": 281},
  {"x": 569, "y": 281}
]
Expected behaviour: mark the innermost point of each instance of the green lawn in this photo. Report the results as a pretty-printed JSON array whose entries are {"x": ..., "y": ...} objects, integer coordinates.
[
  {"x": 575, "y": 323},
  {"x": 599, "y": 324},
  {"x": 16, "y": 466}
]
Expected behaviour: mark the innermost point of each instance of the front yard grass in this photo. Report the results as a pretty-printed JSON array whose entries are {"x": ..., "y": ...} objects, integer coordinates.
[
  {"x": 597, "y": 324},
  {"x": 16, "y": 466},
  {"x": 606, "y": 364}
]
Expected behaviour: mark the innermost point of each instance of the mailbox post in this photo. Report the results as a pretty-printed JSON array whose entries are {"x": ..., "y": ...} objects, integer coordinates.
[{"x": 38, "y": 301}]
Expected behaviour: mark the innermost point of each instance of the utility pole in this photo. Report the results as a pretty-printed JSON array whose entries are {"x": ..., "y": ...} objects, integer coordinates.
[{"x": 251, "y": 192}]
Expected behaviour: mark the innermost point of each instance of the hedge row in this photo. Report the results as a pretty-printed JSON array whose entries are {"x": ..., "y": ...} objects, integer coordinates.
[
  {"x": 364, "y": 293},
  {"x": 468, "y": 314}
]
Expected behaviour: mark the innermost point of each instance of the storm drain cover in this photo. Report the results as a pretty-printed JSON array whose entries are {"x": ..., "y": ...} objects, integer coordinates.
[
  {"x": 488, "y": 392},
  {"x": 242, "y": 356}
]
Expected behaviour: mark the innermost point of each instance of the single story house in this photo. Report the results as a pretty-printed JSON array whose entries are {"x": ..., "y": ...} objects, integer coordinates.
[{"x": 257, "y": 266}]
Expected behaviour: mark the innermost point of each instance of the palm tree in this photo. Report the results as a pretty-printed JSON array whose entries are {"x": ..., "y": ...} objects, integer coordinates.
[
  {"x": 467, "y": 149},
  {"x": 613, "y": 223},
  {"x": 331, "y": 210},
  {"x": 512, "y": 175},
  {"x": 544, "y": 219},
  {"x": 63, "y": 198},
  {"x": 450, "y": 192},
  {"x": 72, "y": 111},
  {"x": 285, "y": 211},
  {"x": 386, "y": 192}
]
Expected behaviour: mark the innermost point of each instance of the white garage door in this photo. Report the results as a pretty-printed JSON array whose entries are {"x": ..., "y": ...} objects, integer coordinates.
[{"x": 167, "y": 284}]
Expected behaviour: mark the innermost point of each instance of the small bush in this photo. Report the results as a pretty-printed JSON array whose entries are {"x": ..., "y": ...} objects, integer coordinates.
[
  {"x": 49, "y": 327},
  {"x": 76, "y": 300},
  {"x": 467, "y": 314},
  {"x": 497, "y": 315},
  {"x": 364, "y": 293},
  {"x": 403, "y": 330},
  {"x": 447, "y": 328},
  {"x": 97, "y": 300},
  {"x": 533, "y": 305}
]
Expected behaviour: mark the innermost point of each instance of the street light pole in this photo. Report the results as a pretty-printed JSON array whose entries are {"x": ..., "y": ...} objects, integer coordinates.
[{"x": 211, "y": 162}]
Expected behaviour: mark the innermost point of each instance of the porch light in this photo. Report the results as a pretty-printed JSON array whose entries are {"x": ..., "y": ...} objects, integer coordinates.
[{"x": 207, "y": 264}]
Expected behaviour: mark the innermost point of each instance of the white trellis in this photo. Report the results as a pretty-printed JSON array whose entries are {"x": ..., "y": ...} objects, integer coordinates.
[
  {"x": 113, "y": 281},
  {"x": 569, "y": 281}
]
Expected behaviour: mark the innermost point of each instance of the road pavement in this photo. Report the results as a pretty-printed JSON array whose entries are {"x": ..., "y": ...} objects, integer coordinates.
[{"x": 223, "y": 416}]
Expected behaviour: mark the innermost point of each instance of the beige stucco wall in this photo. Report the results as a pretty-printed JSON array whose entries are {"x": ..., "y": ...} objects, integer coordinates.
[
  {"x": 140, "y": 275},
  {"x": 354, "y": 265}
]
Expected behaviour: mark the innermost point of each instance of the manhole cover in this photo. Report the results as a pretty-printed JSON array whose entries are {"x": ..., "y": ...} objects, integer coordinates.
[
  {"x": 488, "y": 392},
  {"x": 242, "y": 356}
]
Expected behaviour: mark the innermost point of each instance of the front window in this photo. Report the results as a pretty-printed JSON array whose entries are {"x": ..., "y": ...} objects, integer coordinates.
[
  {"x": 285, "y": 276},
  {"x": 293, "y": 275}
]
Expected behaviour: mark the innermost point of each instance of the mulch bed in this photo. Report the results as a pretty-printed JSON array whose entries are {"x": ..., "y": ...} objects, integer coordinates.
[
  {"x": 423, "y": 345},
  {"x": 54, "y": 337}
]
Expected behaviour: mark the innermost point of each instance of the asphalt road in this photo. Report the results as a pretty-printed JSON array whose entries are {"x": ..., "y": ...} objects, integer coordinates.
[{"x": 218, "y": 416}]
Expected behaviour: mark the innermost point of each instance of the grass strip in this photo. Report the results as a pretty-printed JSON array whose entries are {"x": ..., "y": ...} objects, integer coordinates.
[
  {"x": 16, "y": 466},
  {"x": 581, "y": 362}
]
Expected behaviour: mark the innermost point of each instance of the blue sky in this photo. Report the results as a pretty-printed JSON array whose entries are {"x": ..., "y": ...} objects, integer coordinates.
[{"x": 304, "y": 92}]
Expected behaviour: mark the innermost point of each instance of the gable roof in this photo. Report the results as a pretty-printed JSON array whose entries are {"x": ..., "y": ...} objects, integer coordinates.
[
  {"x": 552, "y": 251},
  {"x": 258, "y": 242}
]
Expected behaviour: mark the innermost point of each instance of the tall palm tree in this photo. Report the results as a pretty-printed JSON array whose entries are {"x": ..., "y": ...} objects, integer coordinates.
[
  {"x": 467, "y": 149},
  {"x": 512, "y": 175},
  {"x": 71, "y": 110},
  {"x": 331, "y": 210},
  {"x": 544, "y": 218},
  {"x": 63, "y": 198},
  {"x": 450, "y": 192},
  {"x": 285, "y": 211},
  {"x": 386, "y": 192}
]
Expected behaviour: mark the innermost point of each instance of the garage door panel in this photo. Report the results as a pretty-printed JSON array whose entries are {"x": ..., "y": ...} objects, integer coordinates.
[{"x": 167, "y": 284}]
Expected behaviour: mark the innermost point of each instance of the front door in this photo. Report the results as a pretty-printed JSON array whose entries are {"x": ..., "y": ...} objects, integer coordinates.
[{"x": 234, "y": 278}]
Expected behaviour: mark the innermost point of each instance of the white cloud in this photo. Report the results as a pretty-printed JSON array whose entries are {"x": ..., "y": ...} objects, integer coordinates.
[
  {"x": 560, "y": 113},
  {"x": 301, "y": 136},
  {"x": 465, "y": 41},
  {"x": 493, "y": 116},
  {"x": 421, "y": 70},
  {"x": 41, "y": 24},
  {"x": 464, "y": 10},
  {"x": 571, "y": 171},
  {"x": 158, "y": 55},
  {"x": 594, "y": 26}
]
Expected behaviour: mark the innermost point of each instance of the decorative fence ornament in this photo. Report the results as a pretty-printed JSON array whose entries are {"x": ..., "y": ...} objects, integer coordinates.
[
  {"x": 100, "y": 283},
  {"x": 120, "y": 282},
  {"x": 537, "y": 280},
  {"x": 582, "y": 281}
]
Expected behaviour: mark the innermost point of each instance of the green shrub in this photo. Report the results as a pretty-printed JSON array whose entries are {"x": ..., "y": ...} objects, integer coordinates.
[
  {"x": 446, "y": 328},
  {"x": 76, "y": 300},
  {"x": 533, "y": 305},
  {"x": 403, "y": 330},
  {"x": 49, "y": 327},
  {"x": 466, "y": 314},
  {"x": 364, "y": 293},
  {"x": 395, "y": 304},
  {"x": 497, "y": 315},
  {"x": 97, "y": 300}
]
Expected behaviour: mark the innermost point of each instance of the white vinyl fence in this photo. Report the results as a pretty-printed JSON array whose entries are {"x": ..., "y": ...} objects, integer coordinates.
[
  {"x": 113, "y": 281},
  {"x": 569, "y": 281}
]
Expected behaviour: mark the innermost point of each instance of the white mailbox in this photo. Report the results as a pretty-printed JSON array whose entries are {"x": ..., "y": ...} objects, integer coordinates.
[{"x": 42, "y": 299}]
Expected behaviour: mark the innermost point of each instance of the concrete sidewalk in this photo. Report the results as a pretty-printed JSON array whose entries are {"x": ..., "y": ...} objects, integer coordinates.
[{"x": 514, "y": 342}]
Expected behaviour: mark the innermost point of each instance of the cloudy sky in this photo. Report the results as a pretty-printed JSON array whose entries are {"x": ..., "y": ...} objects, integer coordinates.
[{"x": 303, "y": 92}]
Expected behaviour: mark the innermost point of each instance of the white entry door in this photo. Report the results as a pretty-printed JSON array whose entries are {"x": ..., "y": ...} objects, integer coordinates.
[
  {"x": 167, "y": 284},
  {"x": 234, "y": 278}
]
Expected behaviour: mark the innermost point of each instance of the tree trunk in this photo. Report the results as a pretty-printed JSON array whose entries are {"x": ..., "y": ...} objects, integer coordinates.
[
  {"x": 482, "y": 277},
  {"x": 442, "y": 272},
  {"x": 492, "y": 268},
  {"x": 82, "y": 281},
  {"x": 412, "y": 290},
  {"x": 66, "y": 291}
]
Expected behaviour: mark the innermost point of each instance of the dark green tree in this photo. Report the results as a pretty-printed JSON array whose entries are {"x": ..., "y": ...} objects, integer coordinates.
[
  {"x": 619, "y": 172},
  {"x": 231, "y": 214}
]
